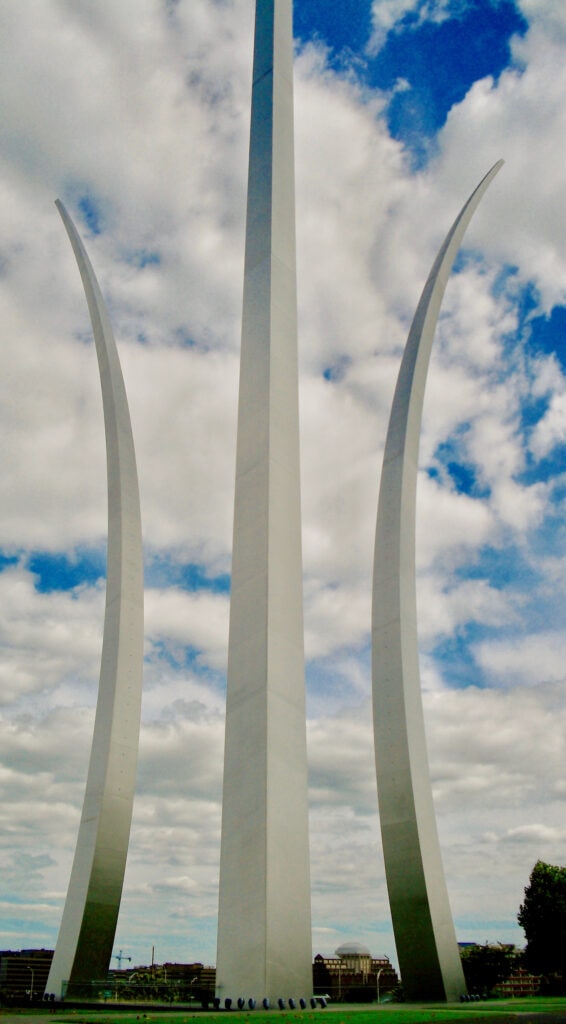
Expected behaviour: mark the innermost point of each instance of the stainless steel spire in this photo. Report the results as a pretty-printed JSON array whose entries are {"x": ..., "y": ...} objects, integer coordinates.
[
  {"x": 424, "y": 932},
  {"x": 86, "y": 935},
  {"x": 264, "y": 928}
]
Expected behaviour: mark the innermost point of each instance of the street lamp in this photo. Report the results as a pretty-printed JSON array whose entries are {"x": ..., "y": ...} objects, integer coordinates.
[
  {"x": 378, "y": 977},
  {"x": 32, "y": 981}
]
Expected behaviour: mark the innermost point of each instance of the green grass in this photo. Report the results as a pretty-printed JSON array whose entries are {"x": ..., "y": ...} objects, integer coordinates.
[{"x": 389, "y": 1013}]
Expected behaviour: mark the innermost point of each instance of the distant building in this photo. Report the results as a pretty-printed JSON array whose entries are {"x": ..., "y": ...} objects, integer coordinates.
[
  {"x": 23, "y": 975},
  {"x": 519, "y": 984},
  {"x": 169, "y": 983},
  {"x": 353, "y": 975}
]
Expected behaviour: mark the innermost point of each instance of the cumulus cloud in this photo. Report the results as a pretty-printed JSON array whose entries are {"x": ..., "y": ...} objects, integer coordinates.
[
  {"x": 551, "y": 429},
  {"x": 521, "y": 119},
  {"x": 387, "y": 14},
  {"x": 536, "y": 658},
  {"x": 48, "y": 640}
]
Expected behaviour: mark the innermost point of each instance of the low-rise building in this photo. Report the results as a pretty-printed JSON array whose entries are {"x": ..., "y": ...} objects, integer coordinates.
[
  {"x": 168, "y": 982},
  {"x": 354, "y": 975},
  {"x": 518, "y": 985},
  {"x": 23, "y": 975}
]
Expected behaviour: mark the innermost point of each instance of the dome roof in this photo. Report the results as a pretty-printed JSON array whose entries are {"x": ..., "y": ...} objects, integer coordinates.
[{"x": 352, "y": 949}]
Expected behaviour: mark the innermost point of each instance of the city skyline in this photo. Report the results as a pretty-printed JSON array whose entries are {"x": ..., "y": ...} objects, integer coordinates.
[{"x": 140, "y": 122}]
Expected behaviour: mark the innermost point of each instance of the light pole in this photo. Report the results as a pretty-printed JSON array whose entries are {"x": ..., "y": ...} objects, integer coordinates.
[
  {"x": 378, "y": 977},
  {"x": 341, "y": 967},
  {"x": 32, "y": 981}
]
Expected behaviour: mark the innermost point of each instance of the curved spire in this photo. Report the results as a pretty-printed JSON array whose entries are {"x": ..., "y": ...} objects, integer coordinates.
[
  {"x": 88, "y": 926},
  {"x": 422, "y": 922}
]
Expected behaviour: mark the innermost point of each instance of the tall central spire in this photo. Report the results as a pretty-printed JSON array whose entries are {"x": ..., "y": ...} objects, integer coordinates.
[{"x": 264, "y": 927}]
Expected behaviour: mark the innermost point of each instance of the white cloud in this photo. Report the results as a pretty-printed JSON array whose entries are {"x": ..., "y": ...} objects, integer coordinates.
[
  {"x": 551, "y": 429},
  {"x": 386, "y": 15},
  {"x": 48, "y": 640},
  {"x": 522, "y": 119},
  {"x": 448, "y": 520},
  {"x": 536, "y": 658},
  {"x": 464, "y": 602},
  {"x": 196, "y": 620}
]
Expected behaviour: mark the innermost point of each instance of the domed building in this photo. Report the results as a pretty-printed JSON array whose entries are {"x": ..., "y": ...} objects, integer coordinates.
[
  {"x": 353, "y": 974},
  {"x": 355, "y": 956}
]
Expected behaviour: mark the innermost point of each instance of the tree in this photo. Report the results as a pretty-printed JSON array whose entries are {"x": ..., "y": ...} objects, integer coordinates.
[
  {"x": 485, "y": 966},
  {"x": 542, "y": 916}
]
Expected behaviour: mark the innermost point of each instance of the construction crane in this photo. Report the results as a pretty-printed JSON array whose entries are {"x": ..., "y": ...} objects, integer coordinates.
[{"x": 119, "y": 957}]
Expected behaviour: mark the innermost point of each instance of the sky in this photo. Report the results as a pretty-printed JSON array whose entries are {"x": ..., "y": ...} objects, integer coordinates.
[{"x": 136, "y": 115}]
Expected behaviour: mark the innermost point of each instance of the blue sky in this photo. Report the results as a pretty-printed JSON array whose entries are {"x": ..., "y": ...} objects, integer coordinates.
[
  {"x": 437, "y": 61},
  {"x": 401, "y": 106}
]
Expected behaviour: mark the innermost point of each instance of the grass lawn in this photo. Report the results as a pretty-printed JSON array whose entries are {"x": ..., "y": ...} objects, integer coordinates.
[{"x": 389, "y": 1013}]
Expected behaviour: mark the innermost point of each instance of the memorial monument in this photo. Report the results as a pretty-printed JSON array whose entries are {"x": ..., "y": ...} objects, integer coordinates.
[
  {"x": 264, "y": 950},
  {"x": 86, "y": 935},
  {"x": 264, "y": 925},
  {"x": 428, "y": 954}
]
